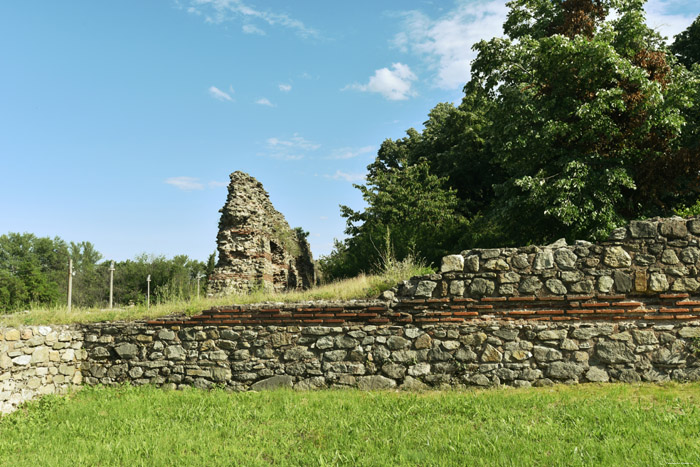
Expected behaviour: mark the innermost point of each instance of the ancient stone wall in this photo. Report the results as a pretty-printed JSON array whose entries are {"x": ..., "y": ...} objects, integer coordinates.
[
  {"x": 646, "y": 258},
  {"x": 627, "y": 310},
  {"x": 481, "y": 353},
  {"x": 257, "y": 248},
  {"x": 38, "y": 360}
]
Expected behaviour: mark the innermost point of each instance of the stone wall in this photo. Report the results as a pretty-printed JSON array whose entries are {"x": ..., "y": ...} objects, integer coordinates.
[
  {"x": 257, "y": 248},
  {"x": 627, "y": 309},
  {"x": 38, "y": 360},
  {"x": 378, "y": 357},
  {"x": 481, "y": 353},
  {"x": 645, "y": 258}
]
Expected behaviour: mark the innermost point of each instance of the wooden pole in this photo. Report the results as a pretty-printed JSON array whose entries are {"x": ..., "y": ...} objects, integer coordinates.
[
  {"x": 111, "y": 284},
  {"x": 70, "y": 283},
  {"x": 148, "y": 292}
]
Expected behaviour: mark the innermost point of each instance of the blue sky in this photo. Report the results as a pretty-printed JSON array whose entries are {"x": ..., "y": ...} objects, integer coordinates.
[{"x": 120, "y": 121}]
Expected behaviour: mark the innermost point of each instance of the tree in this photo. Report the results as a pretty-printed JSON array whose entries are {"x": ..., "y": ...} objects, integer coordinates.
[
  {"x": 89, "y": 281},
  {"x": 410, "y": 205},
  {"x": 686, "y": 45},
  {"x": 576, "y": 122},
  {"x": 587, "y": 120},
  {"x": 171, "y": 279},
  {"x": 32, "y": 270}
]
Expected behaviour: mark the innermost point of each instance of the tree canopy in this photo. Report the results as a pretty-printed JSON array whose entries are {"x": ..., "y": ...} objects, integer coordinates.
[
  {"x": 34, "y": 271},
  {"x": 575, "y": 122},
  {"x": 686, "y": 45}
]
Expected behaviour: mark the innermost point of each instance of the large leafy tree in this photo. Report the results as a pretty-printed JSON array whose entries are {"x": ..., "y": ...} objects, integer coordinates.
[
  {"x": 575, "y": 122},
  {"x": 588, "y": 118}
]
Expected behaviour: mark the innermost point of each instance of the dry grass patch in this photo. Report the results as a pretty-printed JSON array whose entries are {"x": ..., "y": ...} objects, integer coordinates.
[{"x": 361, "y": 287}]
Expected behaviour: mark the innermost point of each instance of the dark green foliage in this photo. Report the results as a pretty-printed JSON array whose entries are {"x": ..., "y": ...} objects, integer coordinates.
[
  {"x": 170, "y": 278},
  {"x": 90, "y": 277},
  {"x": 589, "y": 120},
  {"x": 211, "y": 264},
  {"x": 413, "y": 207},
  {"x": 686, "y": 45},
  {"x": 30, "y": 270},
  {"x": 34, "y": 271}
]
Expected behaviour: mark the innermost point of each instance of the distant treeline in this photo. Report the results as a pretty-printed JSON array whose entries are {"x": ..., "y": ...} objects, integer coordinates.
[
  {"x": 578, "y": 120},
  {"x": 34, "y": 271}
]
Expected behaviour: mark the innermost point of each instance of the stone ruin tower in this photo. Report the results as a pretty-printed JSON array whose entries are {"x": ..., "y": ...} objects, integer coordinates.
[{"x": 257, "y": 248}]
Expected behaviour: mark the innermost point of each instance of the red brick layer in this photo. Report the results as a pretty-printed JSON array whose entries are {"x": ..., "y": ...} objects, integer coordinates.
[{"x": 677, "y": 307}]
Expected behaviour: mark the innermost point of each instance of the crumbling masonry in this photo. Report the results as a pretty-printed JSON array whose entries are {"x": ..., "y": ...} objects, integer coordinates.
[{"x": 257, "y": 248}]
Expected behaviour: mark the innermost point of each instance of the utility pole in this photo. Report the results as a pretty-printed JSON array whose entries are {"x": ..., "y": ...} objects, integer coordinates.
[
  {"x": 111, "y": 284},
  {"x": 70, "y": 283},
  {"x": 199, "y": 276},
  {"x": 148, "y": 292}
]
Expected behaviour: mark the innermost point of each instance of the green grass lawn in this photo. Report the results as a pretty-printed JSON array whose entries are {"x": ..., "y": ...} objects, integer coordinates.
[{"x": 584, "y": 424}]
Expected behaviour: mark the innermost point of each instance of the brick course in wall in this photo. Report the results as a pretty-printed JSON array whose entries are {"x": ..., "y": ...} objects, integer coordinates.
[{"x": 659, "y": 307}]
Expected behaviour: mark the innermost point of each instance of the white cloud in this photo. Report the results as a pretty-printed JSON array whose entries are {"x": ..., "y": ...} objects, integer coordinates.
[
  {"x": 394, "y": 84},
  {"x": 252, "y": 29},
  {"x": 185, "y": 183},
  {"x": 285, "y": 87},
  {"x": 348, "y": 177},
  {"x": 217, "y": 93},
  {"x": 264, "y": 101},
  {"x": 295, "y": 142},
  {"x": 660, "y": 16},
  {"x": 350, "y": 153},
  {"x": 219, "y": 11},
  {"x": 446, "y": 43}
]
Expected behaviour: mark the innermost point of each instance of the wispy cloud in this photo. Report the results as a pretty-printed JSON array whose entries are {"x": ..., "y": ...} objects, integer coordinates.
[
  {"x": 285, "y": 87},
  {"x": 348, "y": 177},
  {"x": 185, "y": 183},
  {"x": 217, "y": 93},
  {"x": 350, "y": 153},
  {"x": 291, "y": 149},
  {"x": 219, "y": 11},
  {"x": 445, "y": 43},
  {"x": 252, "y": 29},
  {"x": 663, "y": 16},
  {"x": 296, "y": 142},
  {"x": 394, "y": 84},
  {"x": 193, "y": 183},
  {"x": 264, "y": 101}
]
